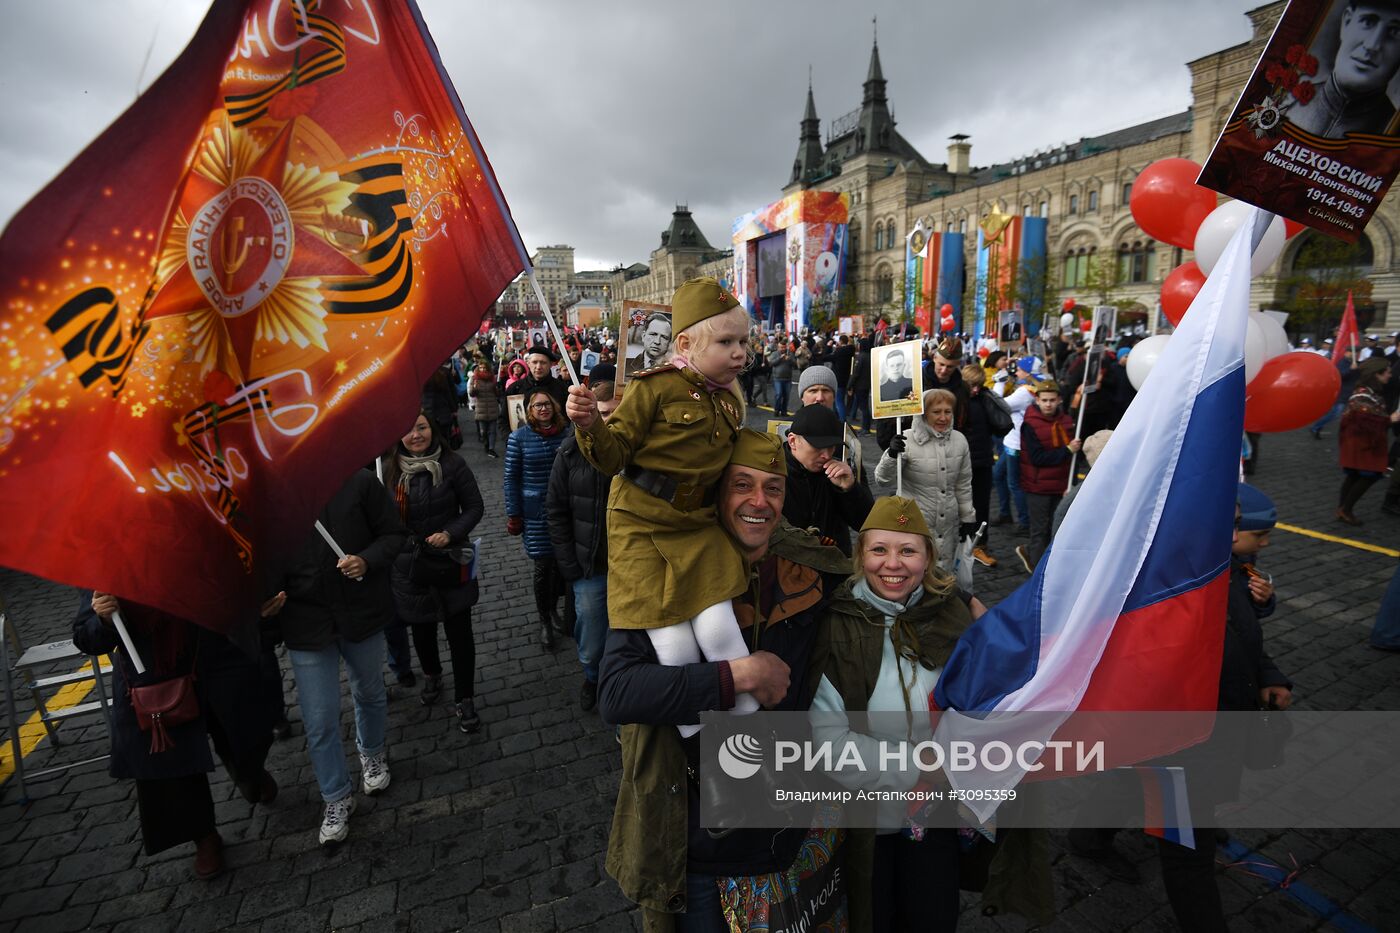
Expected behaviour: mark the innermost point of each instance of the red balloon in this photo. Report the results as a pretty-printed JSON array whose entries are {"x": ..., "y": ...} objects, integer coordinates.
[
  {"x": 1086, "y": 325},
  {"x": 1292, "y": 228},
  {"x": 1168, "y": 204},
  {"x": 1179, "y": 290},
  {"x": 947, "y": 322},
  {"x": 946, "y": 310},
  {"x": 1067, "y": 305},
  {"x": 1290, "y": 391}
]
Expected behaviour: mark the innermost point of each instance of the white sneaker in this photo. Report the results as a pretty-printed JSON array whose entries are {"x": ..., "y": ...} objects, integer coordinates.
[
  {"x": 335, "y": 825},
  {"x": 375, "y": 772}
]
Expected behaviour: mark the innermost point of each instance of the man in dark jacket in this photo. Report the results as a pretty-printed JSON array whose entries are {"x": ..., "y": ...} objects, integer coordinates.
[
  {"x": 840, "y": 362},
  {"x": 658, "y": 804},
  {"x": 576, "y": 505},
  {"x": 337, "y": 608},
  {"x": 538, "y": 360},
  {"x": 822, "y": 491},
  {"x": 1048, "y": 445},
  {"x": 858, "y": 407}
]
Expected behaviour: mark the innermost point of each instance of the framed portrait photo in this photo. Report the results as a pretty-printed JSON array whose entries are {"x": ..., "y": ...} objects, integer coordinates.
[
  {"x": 897, "y": 379},
  {"x": 587, "y": 360},
  {"x": 515, "y": 410},
  {"x": 1105, "y": 325},
  {"x": 643, "y": 340}
]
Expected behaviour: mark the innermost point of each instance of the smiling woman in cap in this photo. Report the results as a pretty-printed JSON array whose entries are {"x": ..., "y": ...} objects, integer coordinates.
[{"x": 888, "y": 633}]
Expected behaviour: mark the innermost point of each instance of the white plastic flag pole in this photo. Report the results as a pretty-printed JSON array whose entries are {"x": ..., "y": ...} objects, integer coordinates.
[
  {"x": 553, "y": 326},
  {"x": 899, "y": 462},
  {"x": 326, "y": 536},
  {"x": 120, "y": 625}
]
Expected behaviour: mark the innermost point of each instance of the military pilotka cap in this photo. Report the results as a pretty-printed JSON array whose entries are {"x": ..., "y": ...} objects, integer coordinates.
[
  {"x": 951, "y": 349},
  {"x": 699, "y": 299},
  {"x": 819, "y": 426},
  {"x": 759, "y": 451},
  {"x": 896, "y": 513}
]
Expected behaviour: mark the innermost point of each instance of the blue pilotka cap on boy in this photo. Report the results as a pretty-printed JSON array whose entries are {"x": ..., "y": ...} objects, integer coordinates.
[{"x": 1257, "y": 512}]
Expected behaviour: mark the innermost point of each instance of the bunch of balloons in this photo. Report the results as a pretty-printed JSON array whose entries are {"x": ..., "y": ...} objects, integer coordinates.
[
  {"x": 1284, "y": 390},
  {"x": 946, "y": 321}
]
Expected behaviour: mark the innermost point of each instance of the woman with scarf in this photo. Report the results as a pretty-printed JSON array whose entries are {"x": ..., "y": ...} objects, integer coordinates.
[
  {"x": 486, "y": 402},
  {"x": 439, "y": 501},
  {"x": 937, "y": 472},
  {"x": 887, "y": 634},
  {"x": 530, "y": 453},
  {"x": 1361, "y": 439}
]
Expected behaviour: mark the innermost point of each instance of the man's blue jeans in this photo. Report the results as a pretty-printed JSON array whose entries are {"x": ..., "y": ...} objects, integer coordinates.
[
  {"x": 780, "y": 396},
  {"x": 318, "y": 692},
  {"x": 591, "y": 622},
  {"x": 1006, "y": 476}
]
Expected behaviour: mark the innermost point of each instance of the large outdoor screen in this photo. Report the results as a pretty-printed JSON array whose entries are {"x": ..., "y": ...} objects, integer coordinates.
[{"x": 772, "y": 271}]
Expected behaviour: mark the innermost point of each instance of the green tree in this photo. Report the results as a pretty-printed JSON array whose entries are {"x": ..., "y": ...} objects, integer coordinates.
[{"x": 1324, "y": 271}]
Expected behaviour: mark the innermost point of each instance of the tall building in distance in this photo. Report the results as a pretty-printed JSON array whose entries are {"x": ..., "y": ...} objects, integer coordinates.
[{"x": 1095, "y": 250}]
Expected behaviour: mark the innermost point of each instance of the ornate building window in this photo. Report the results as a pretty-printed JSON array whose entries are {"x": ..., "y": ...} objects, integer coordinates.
[
  {"x": 890, "y": 235},
  {"x": 1077, "y": 262},
  {"x": 884, "y": 285},
  {"x": 853, "y": 253},
  {"x": 1044, "y": 208},
  {"x": 1137, "y": 261},
  {"x": 1093, "y": 200},
  {"x": 1074, "y": 204},
  {"x": 879, "y": 236},
  {"x": 1127, "y": 192}
]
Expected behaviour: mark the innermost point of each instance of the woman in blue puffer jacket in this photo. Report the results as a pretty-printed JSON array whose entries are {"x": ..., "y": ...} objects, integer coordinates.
[{"x": 529, "y": 459}]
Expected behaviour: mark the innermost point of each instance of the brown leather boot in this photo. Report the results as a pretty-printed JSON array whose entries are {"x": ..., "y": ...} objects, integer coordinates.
[{"x": 209, "y": 857}]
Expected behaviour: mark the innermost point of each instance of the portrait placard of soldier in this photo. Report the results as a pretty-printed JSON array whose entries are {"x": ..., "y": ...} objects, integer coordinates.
[
  {"x": 1315, "y": 134},
  {"x": 587, "y": 360},
  {"x": 539, "y": 336},
  {"x": 1105, "y": 325},
  {"x": 1010, "y": 326},
  {"x": 644, "y": 334},
  {"x": 897, "y": 379},
  {"x": 515, "y": 410}
]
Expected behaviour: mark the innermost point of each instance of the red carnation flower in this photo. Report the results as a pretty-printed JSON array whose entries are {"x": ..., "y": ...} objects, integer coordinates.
[
  {"x": 218, "y": 386},
  {"x": 1304, "y": 91},
  {"x": 1274, "y": 73},
  {"x": 1308, "y": 65},
  {"x": 1294, "y": 53}
]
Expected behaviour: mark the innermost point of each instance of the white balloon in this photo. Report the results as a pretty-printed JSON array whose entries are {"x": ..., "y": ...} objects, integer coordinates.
[
  {"x": 1220, "y": 225},
  {"x": 1144, "y": 356},
  {"x": 1256, "y": 349},
  {"x": 1275, "y": 338},
  {"x": 1066, "y": 321}
]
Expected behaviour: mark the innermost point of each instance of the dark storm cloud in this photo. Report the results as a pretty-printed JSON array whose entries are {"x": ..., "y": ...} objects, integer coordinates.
[{"x": 600, "y": 116}]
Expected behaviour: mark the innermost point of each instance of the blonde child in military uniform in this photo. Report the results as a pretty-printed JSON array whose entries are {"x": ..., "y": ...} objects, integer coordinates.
[{"x": 672, "y": 569}]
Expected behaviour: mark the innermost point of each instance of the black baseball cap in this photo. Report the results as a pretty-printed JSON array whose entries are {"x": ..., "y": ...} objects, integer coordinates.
[{"x": 818, "y": 426}]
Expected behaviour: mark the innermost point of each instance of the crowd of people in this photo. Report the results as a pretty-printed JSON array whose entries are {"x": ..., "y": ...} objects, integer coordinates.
[{"x": 697, "y": 565}]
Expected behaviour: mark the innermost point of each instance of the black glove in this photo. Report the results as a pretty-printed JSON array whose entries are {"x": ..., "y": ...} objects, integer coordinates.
[
  {"x": 896, "y": 446},
  {"x": 968, "y": 529}
]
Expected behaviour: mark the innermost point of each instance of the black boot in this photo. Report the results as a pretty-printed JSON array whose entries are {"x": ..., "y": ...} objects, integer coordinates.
[{"x": 546, "y": 634}]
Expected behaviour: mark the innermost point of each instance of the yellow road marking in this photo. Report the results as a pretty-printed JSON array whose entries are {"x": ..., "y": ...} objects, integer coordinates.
[
  {"x": 1360, "y": 545},
  {"x": 32, "y": 732}
]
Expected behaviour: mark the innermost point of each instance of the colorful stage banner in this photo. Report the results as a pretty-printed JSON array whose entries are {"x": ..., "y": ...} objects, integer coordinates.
[
  {"x": 231, "y": 300},
  {"x": 816, "y": 243},
  {"x": 933, "y": 269},
  {"x": 1315, "y": 135},
  {"x": 1010, "y": 269}
]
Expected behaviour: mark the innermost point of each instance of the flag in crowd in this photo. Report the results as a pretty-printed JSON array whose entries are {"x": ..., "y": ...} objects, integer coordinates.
[
  {"x": 1125, "y": 611},
  {"x": 264, "y": 256}
]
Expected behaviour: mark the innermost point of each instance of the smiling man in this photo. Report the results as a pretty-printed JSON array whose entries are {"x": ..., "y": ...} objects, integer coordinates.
[
  {"x": 1351, "y": 97},
  {"x": 658, "y": 799}
]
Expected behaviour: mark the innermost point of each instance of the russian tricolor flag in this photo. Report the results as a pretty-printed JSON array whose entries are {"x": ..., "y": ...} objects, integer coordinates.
[{"x": 1126, "y": 611}]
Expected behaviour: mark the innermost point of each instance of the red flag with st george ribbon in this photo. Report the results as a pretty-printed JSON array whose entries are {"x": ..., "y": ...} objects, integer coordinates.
[
  {"x": 232, "y": 298},
  {"x": 1347, "y": 332}
]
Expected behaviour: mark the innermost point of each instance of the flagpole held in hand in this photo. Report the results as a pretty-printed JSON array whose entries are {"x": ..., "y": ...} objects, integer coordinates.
[
  {"x": 899, "y": 463},
  {"x": 553, "y": 325},
  {"x": 326, "y": 536},
  {"x": 120, "y": 625}
]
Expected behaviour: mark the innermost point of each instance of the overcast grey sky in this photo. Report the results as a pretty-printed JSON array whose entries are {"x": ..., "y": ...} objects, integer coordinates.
[{"x": 600, "y": 115}]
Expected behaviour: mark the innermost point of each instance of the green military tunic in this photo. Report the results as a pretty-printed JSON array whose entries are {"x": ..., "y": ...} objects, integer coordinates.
[{"x": 667, "y": 562}]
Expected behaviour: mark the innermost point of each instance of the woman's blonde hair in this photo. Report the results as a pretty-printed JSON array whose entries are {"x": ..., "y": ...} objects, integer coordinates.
[{"x": 937, "y": 581}]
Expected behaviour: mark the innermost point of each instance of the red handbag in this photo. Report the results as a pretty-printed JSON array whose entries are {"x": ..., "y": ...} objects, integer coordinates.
[{"x": 168, "y": 703}]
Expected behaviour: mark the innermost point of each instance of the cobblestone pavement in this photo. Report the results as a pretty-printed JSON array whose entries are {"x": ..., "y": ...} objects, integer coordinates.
[{"x": 506, "y": 830}]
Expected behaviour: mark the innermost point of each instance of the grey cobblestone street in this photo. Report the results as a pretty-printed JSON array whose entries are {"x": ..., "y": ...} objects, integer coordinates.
[{"x": 506, "y": 830}]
